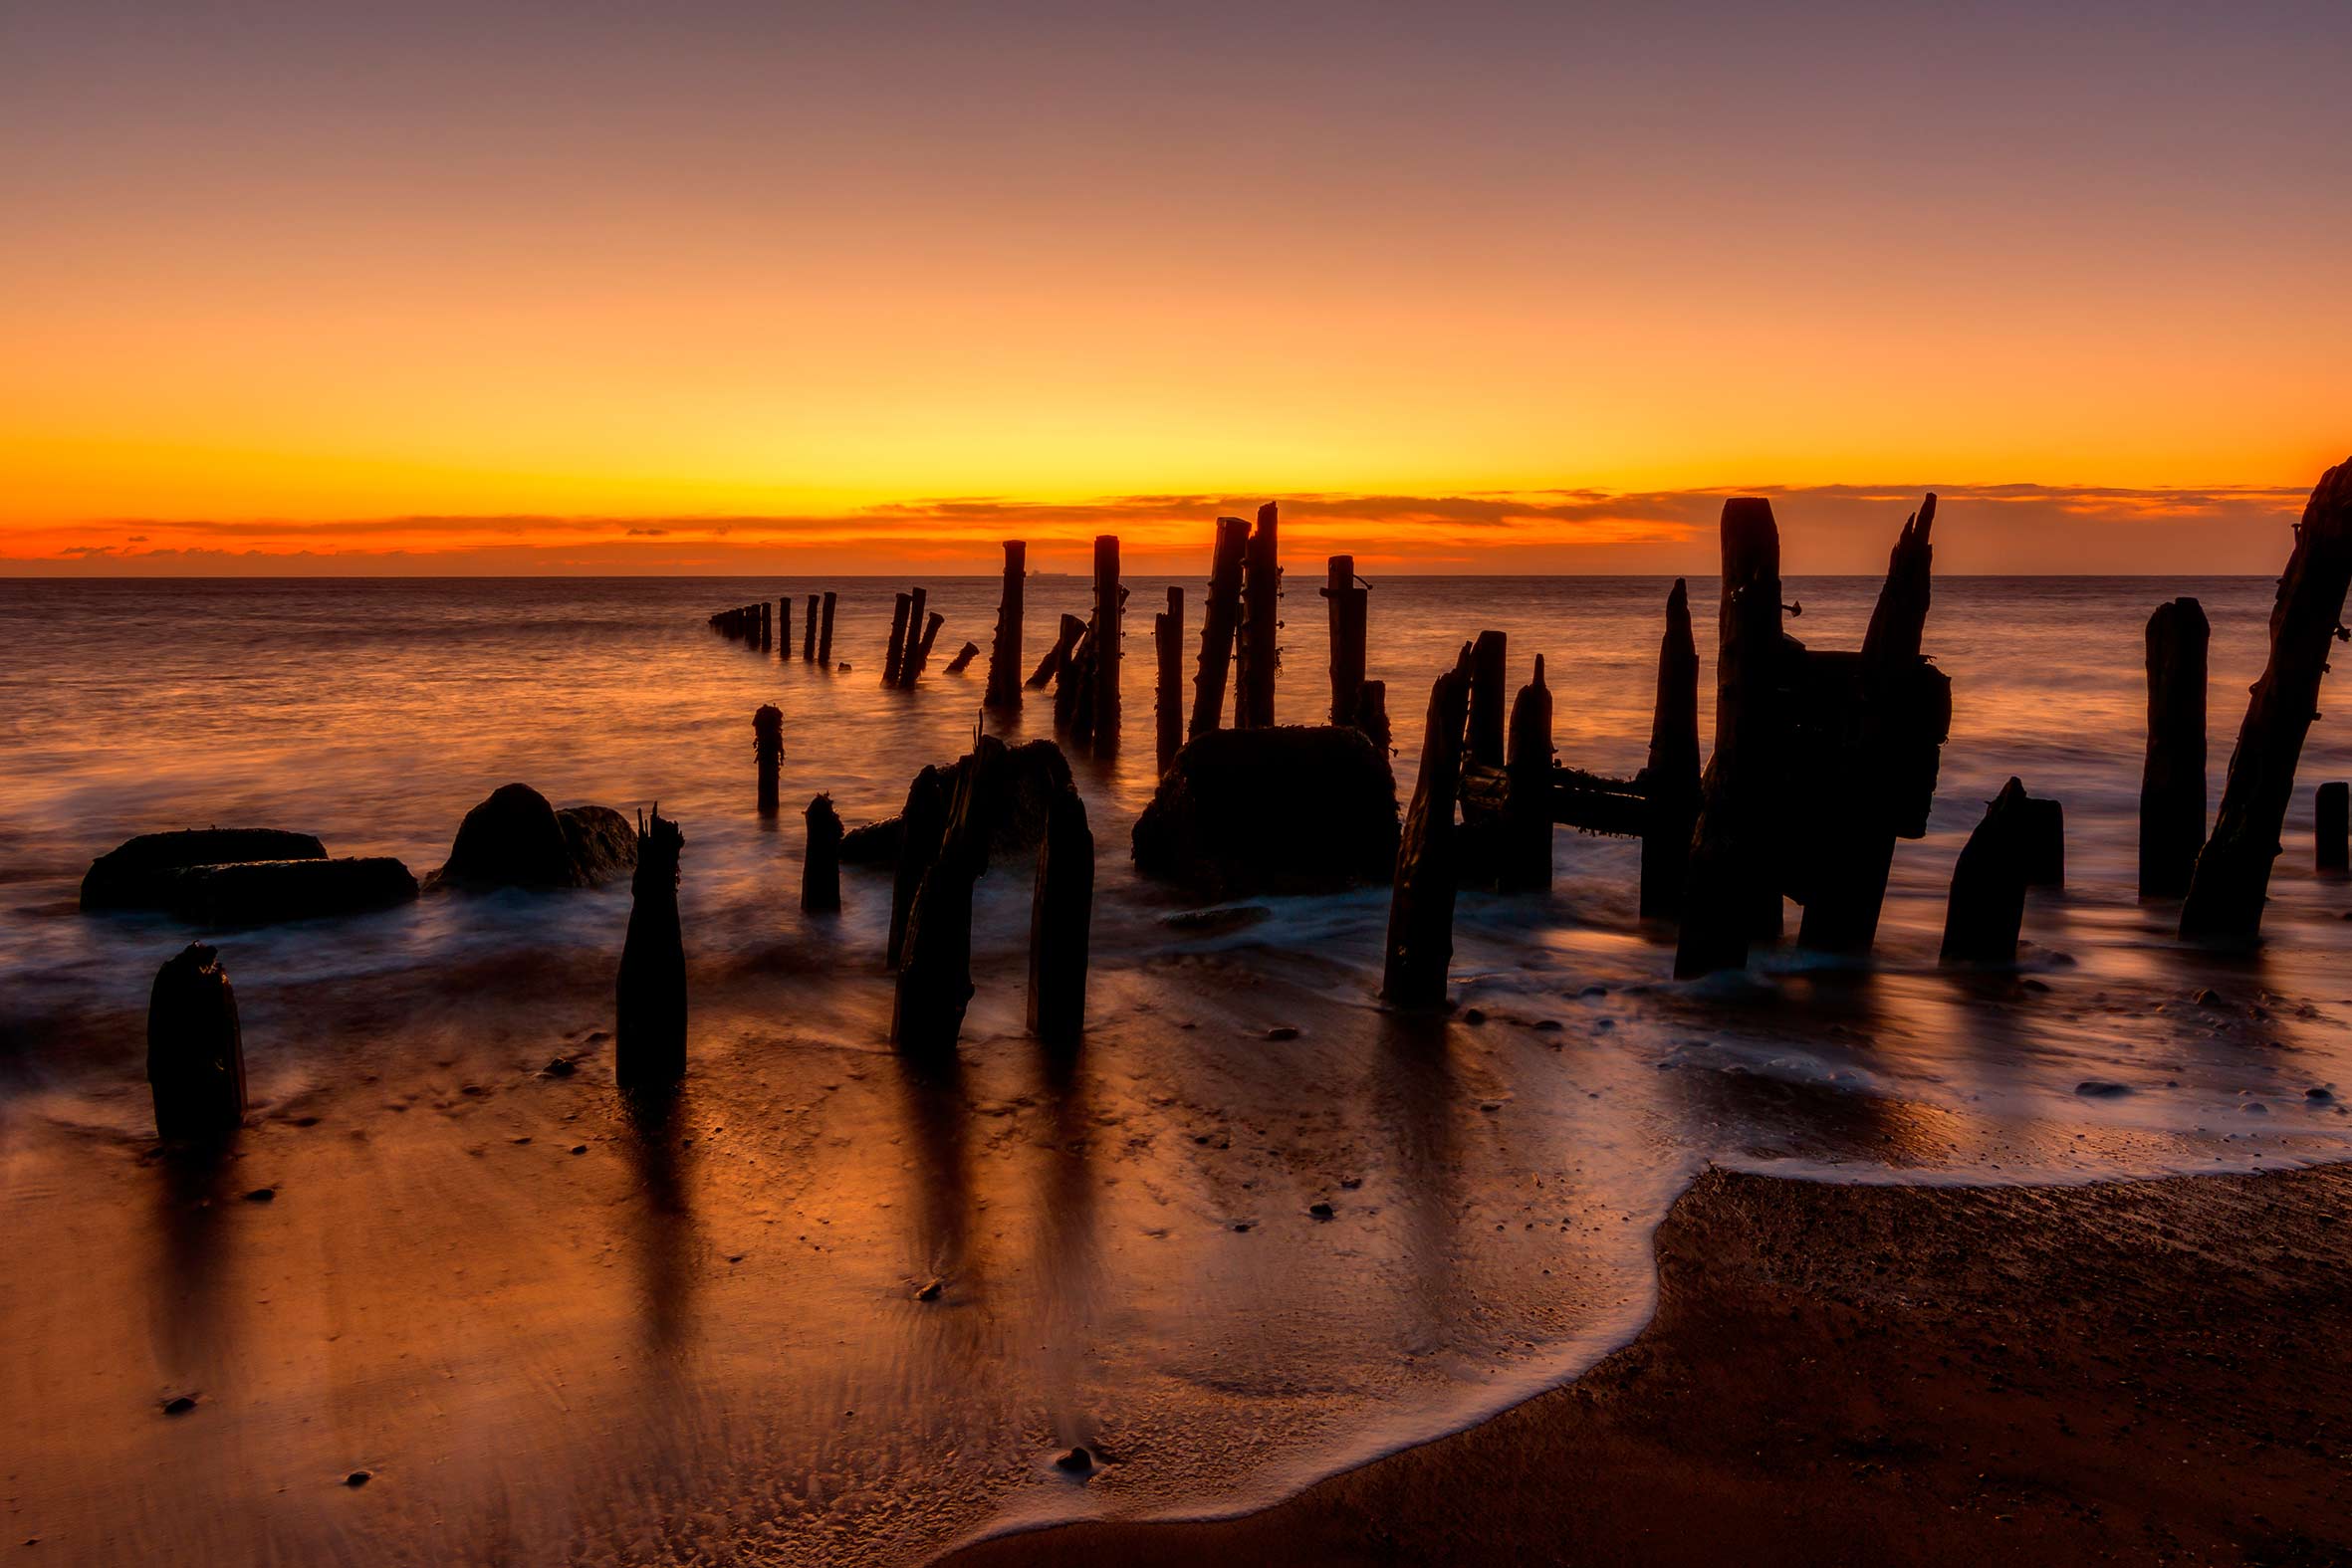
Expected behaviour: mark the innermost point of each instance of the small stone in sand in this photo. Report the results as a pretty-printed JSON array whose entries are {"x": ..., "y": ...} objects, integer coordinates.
[
  {"x": 2101, "y": 1088},
  {"x": 931, "y": 1290},
  {"x": 1321, "y": 1211},
  {"x": 179, "y": 1403},
  {"x": 1594, "y": 991},
  {"x": 560, "y": 1067},
  {"x": 1241, "y": 1224},
  {"x": 1474, "y": 1016},
  {"x": 358, "y": 1477},
  {"x": 1549, "y": 1026},
  {"x": 1282, "y": 1031},
  {"x": 580, "y": 1148},
  {"x": 1351, "y": 1182},
  {"x": 261, "y": 1194},
  {"x": 2207, "y": 998},
  {"x": 1077, "y": 1461},
  {"x": 2322, "y": 1096}
]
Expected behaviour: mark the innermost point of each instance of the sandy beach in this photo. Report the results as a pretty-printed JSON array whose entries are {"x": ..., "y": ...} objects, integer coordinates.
[{"x": 2153, "y": 1372}]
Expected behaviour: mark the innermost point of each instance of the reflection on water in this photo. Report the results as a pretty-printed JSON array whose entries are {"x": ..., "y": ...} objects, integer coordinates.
[{"x": 830, "y": 1304}]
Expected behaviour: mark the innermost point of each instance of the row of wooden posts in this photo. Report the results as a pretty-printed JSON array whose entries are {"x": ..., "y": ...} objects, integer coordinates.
[{"x": 764, "y": 626}]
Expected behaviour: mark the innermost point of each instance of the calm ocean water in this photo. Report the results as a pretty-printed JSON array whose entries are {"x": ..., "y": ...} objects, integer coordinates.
[{"x": 702, "y": 1341}]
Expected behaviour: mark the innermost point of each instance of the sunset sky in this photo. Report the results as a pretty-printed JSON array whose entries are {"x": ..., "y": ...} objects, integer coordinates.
[{"x": 708, "y": 287}]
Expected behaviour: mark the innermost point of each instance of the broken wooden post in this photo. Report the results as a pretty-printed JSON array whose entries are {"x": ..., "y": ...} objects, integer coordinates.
[
  {"x": 1004, "y": 649},
  {"x": 809, "y": 632},
  {"x": 1987, "y": 903},
  {"x": 1066, "y": 633},
  {"x": 1421, "y": 901},
  {"x": 649, "y": 1024},
  {"x": 1732, "y": 893},
  {"x": 767, "y": 627},
  {"x": 2234, "y": 872},
  {"x": 1074, "y": 690},
  {"x": 1871, "y": 793},
  {"x": 768, "y": 750},
  {"x": 916, "y": 603},
  {"x": 2330, "y": 808},
  {"x": 898, "y": 629},
  {"x": 2172, "y": 778},
  {"x": 1109, "y": 605},
  {"x": 1060, "y": 910},
  {"x": 1669, "y": 778},
  {"x": 195, "y": 1050},
  {"x": 1346, "y": 607},
  {"x": 1371, "y": 715},
  {"x": 783, "y": 628},
  {"x": 2042, "y": 842},
  {"x": 820, "y": 864},
  {"x": 1167, "y": 642},
  {"x": 825, "y": 638},
  {"x": 920, "y": 824},
  {"x": 919, "y": 649},
  {"x": 1220, "y": 618},
  {"x": 1525, "y": 862},
  {"x": 935, "y": 976},
  {"x": 963, "y": 656},
  {"x": 1489, "y": 663},
  {"x": 1259, "y": 644}
]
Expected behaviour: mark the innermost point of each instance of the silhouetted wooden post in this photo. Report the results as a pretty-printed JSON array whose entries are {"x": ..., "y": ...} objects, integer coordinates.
[
  {"x": 1987, "y": 903},
  {"x": 935, "y": 979},
  {"x": 1259, "y": 632},
  {"x": 2042, "y": 842},
  {"x": 195, "y": 1050},
  {"x": 919, "y": 827},
  {"x": 916, "y": 603},
  {"x": 768, "y": 750},
  {"x": 1489, "y": 666},
  {"x": 1346, "y": 607},
  {"x": 2331, "y": 807},
  {"x": 1421, "y": 902},
  {"x": 1526, "y": 852},
  {"x": 1060, "y": 910},
  {"x": 1371, "y": 715},
  {"x": 809, "y": 632},
  {"x": 1109, "y": 604},
  {"x": 1066, "y": 633},
  {"x": 1220, "y": 620},
  {"x": 649, "y": 1024},
  {"x": 898, "y": 630},
  {"x": 825, "y": 638},
  {"x": 919, "y": 649},
  {"x": 1004, "y": 650},
  {"x": 1733, "y": 895},
  {"x": 767, "y": 627},
  {"x": 1669, "y": 777},
  {"x": 2172, "y": 778},
  {"x": 1859, "y": 822},
  {"x": 2233, "y": 873},
  {"x": 1167, "y": 642},
  {"x": 783, "y": 628},
  {"x": 963, "y": 656},
  {"x": 1073, "y": 688},
  {"x": 820, "y": 866}
]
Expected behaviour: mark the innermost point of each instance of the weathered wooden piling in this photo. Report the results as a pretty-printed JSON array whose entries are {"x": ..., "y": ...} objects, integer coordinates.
[
  {"x": 919, "y": 649},
  {"x": 1004, "y": 649},
  {"x": 650, "y": 1022},
  {"x": 1109, "y": 611},
  {"x": 1988, "y": 902},
  {"x": 1732, "y": 894},
  {"x": 824, "y": 637},
  {"x": 767, "y": 627},
  {"x": 898, "y": 629},
  {"x": 1167, "y": 706},
  {"x": 809, "y": 632},
  {"x": 2331, "y": 814},
  {"x": 963, "y": 656},
  {"x": 917, "y": 602},
  {"x": 935, "y": 977},
  {"x": 2172, "y": 778},
  {"x": 1074, "y": 687},
  {"x": 1421, "y": 902},
  {"x": 1488, "y": 667},
  {"x": 1669, "y": 778},
  {"x": 783, "y": 628},
  {"x": 1220, "y": 618},
  {"x": 821, "y": 862},
  {"x": 1371, "y": 715},
  {"x": 768, "y": 751},
  {"x": 2232, "y": 875},
  {"x": 921, "y": 822},
  {"x": 195, "y": 1050},
  {"x": 1346, "y": 606},
  {"x": 1524, "y": 865},
  {"x": 1066, "y": 633},
  {"x": 1062, "y": 909},
  {"x": 1259, "y": 633}
]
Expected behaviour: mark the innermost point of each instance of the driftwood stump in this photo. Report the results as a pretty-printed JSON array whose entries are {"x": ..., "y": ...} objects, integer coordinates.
[
  {"x": 649, "y": 1024},
  {"x": 1987, "y": 903},
  {"x": 1004, "y": 648},
  {"x": 1421, "y": 904},
  {"x": 820, "y": 864},
  {"x": 1061, "y": 911},
  {"x": 1220, "y": 618},
  {"x": 195, "y": 1050}
]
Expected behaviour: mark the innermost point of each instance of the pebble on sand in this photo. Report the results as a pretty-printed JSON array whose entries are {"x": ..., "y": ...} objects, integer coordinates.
[
  {"x": 1077, "y": 1461},
  {"x": 358, "y": 1477}
]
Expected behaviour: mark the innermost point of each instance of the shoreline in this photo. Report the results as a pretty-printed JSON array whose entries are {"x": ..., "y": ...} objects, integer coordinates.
[{"x": 2151, "y": 1370}]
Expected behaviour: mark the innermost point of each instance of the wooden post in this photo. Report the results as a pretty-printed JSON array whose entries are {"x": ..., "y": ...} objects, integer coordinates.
[
  {"x": 1060, "y": 910},
  {"x": 1109, "y": 604},
  {"x": 825, "y": 638},
  {"x": 1004, "y": 650},
  {"x": 2041, "y": 843},
  {"x": 1669, "y": 778},
  {"x": 1065, "y": 641},
  {"x": 809, "y": 632},
  {"x": 919, "y": 827},
  {"x": 898, "y": 628},
  {"x": 917, "y": 601},
  {"x": 820, "y": 864},
  {"x": 1732, "y": 894},
  {"x": 1371, "y": 715},
  {"x": 919, "y": 649},
  {"x": 2331, "y": 805},
  {"x": 1259, "y": 633},
  {"x": 1987, "y": 903},
  {"x": 783, "y": 628},
  {"x": 2172, "y": 778},
  {"x": 1526, "y": 852},
  {"x": 963, "y": 656},
  {"x": 768, "y": 750},
  {"x": 2233, "y": 873},
  {"x": 935, "y": 977},
  {"x": 1489, "y": 663},
  {"x": 1421, "y": 902},
  {"x": 767, "y": 627},
  {"x": 195, "y": 1050},
  {"x": 1167, "y": 642},
  {"x": 649, "y": 1024},
  {"x": 1346, "y": 606},
  {"x": 1220, "y": 620},
  {"x": 1073, "y": 688}
]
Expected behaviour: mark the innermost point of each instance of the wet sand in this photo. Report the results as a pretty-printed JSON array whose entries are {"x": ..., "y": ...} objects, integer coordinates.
[{"x": 2136, "y": 1372}]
